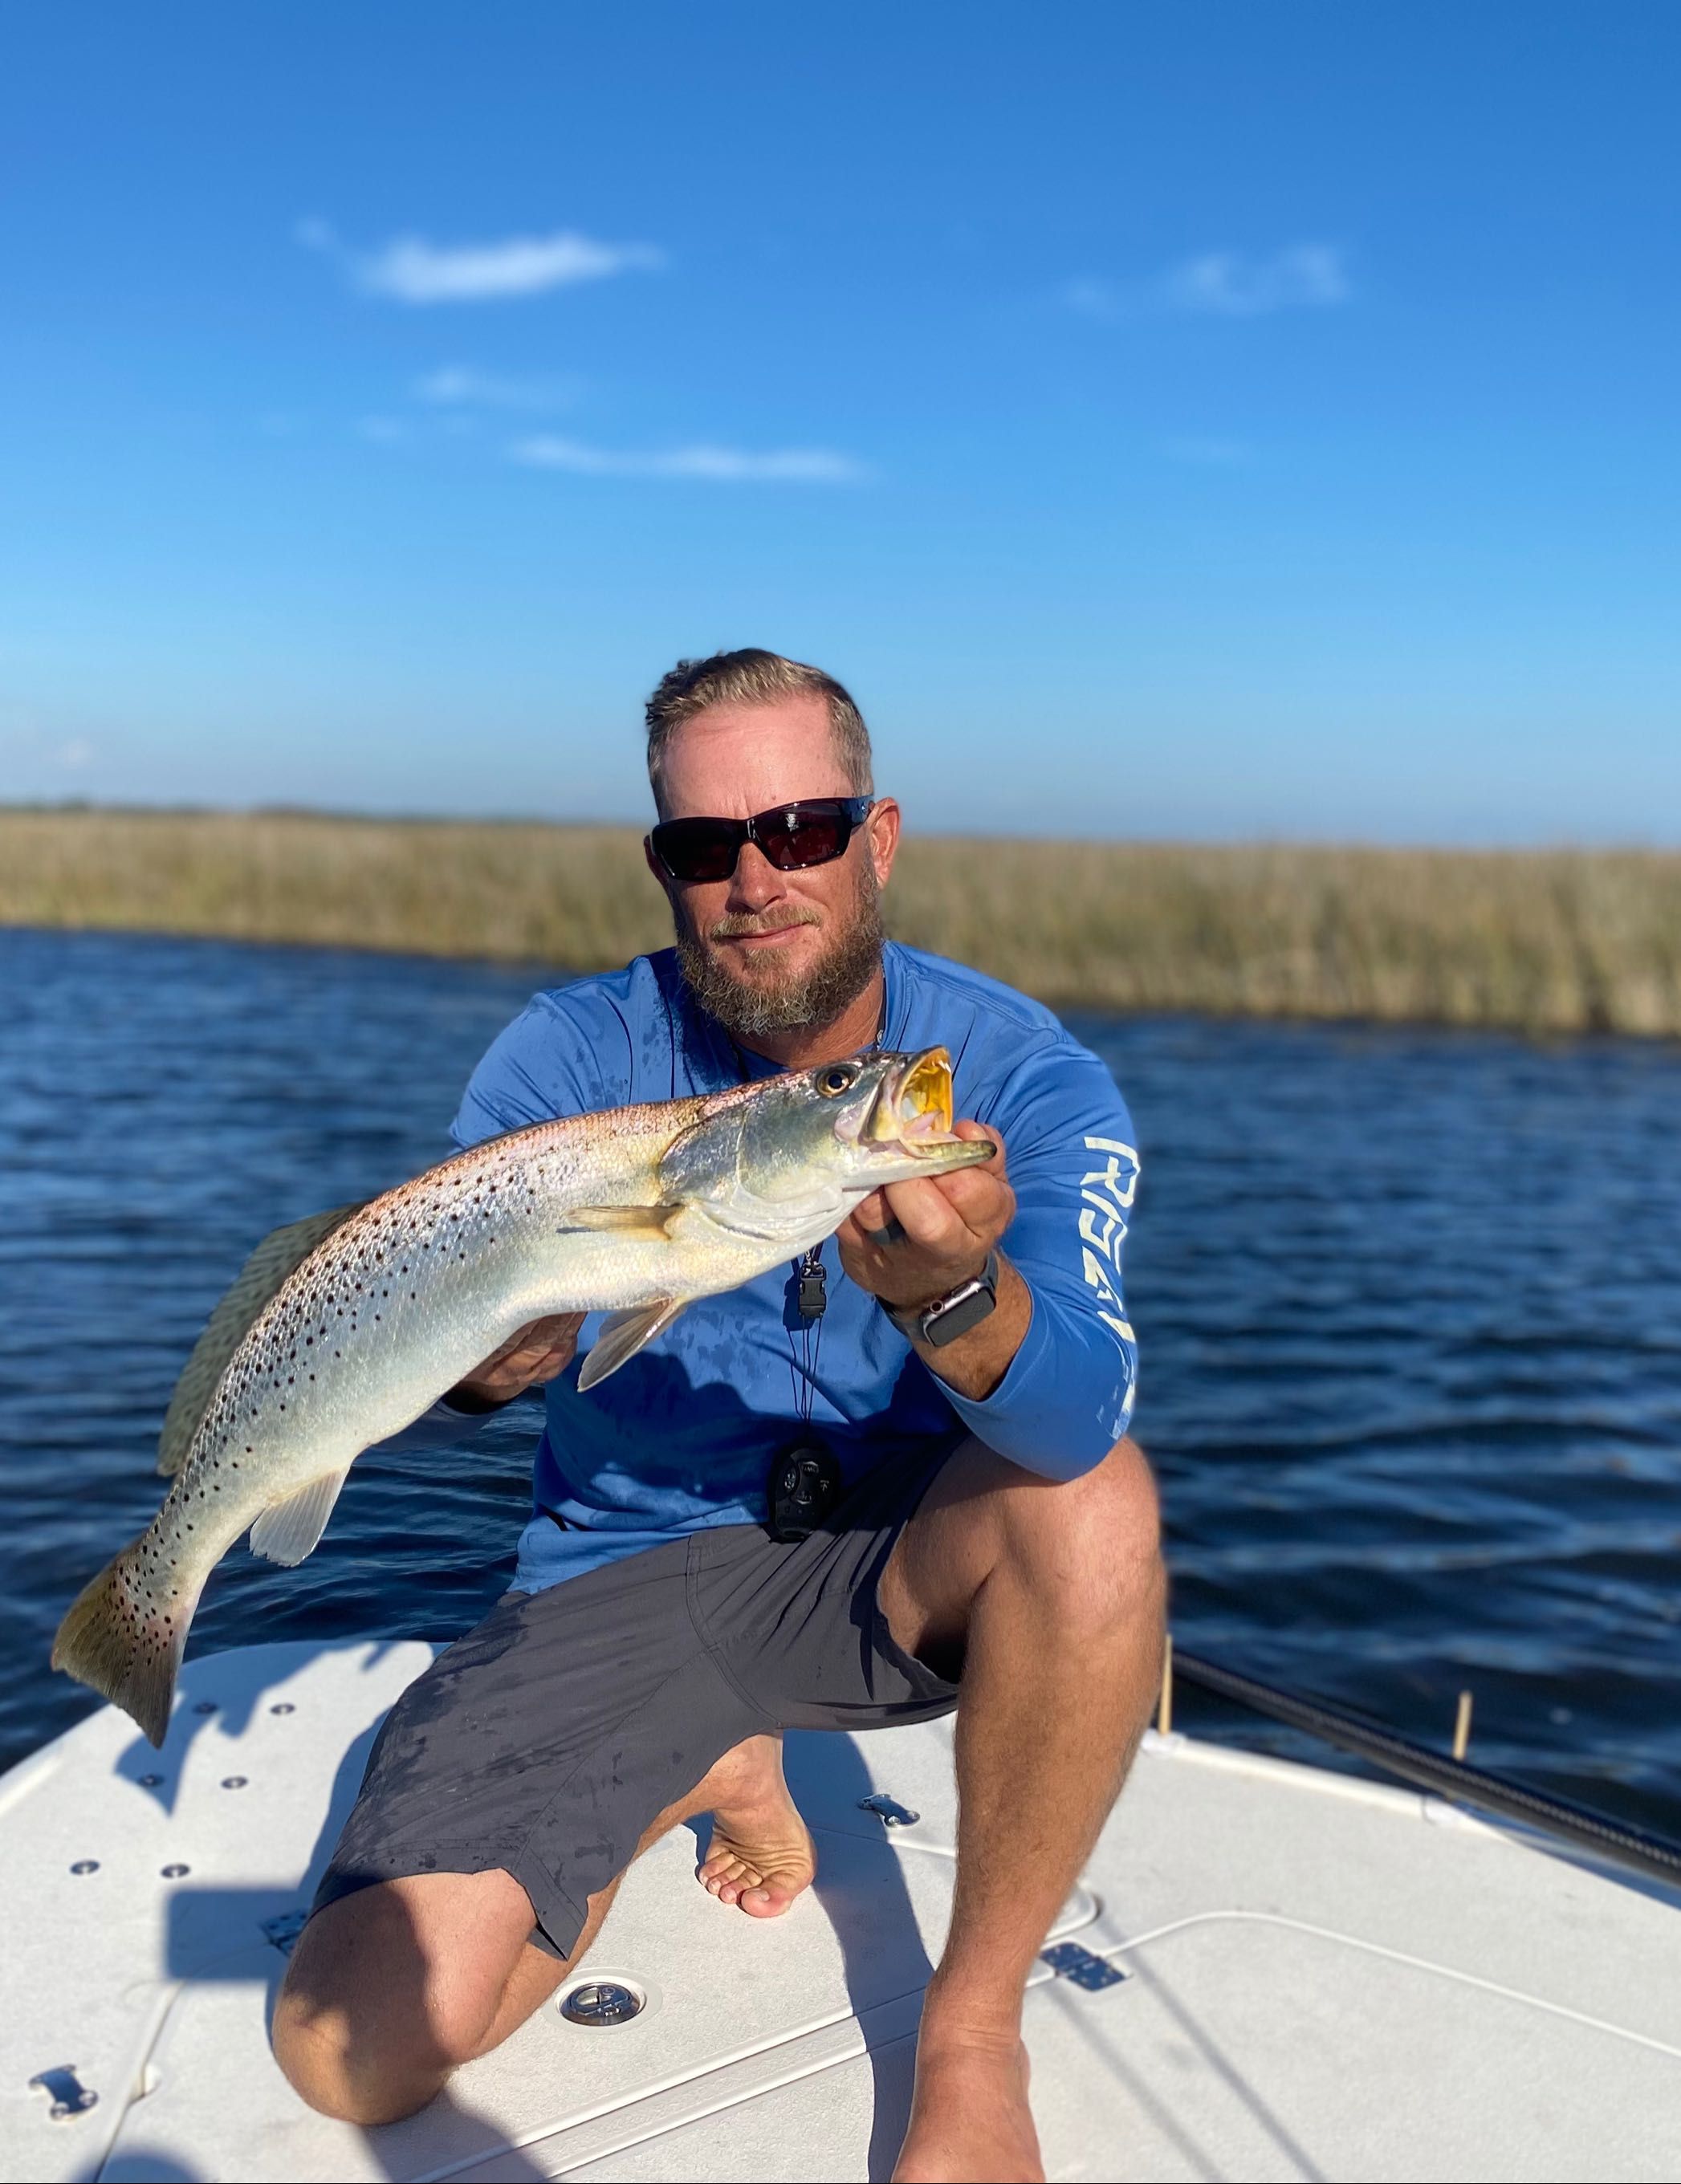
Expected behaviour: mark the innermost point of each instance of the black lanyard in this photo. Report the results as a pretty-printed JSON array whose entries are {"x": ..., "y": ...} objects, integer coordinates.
[{"x": 810, "y": 1281}]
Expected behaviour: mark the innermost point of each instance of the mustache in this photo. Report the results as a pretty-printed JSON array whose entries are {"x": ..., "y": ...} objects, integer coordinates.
[{"x": 734, "y": 929}]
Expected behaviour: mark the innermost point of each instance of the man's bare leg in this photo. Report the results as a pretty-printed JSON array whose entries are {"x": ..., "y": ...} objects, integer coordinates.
[
  {"x": 1056, "y": 1594},
  {"x": 391, "y": 1990}
]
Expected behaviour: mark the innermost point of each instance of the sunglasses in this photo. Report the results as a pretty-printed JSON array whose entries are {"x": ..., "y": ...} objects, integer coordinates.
[{"x": 792, "y": 837}]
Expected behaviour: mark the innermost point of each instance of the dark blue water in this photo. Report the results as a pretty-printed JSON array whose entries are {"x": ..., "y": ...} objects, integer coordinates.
[{"x": 1409, "y": 1305}]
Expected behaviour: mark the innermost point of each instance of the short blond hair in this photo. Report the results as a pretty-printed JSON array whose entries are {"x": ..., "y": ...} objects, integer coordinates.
[{"x": 753, "y": 677}]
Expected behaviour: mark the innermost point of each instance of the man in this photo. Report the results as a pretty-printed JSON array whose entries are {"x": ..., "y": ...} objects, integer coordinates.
[{"x": 968, "y": 1503}]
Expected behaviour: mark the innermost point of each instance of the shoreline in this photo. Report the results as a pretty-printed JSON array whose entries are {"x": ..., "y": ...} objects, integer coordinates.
[{"x": 1547, "y": 941}]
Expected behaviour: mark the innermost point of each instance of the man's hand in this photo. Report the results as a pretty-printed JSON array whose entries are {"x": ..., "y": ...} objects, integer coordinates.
[
  {"x": 537, "y": 1353},
  {"x": 912, "y": 1242}
]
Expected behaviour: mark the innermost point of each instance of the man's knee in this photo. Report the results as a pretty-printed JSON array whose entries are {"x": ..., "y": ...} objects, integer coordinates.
[
  {"x": 337, "y": 2054},
  {"x": 314, "y": 2048},
  {"x": 365, "y": 2028},
  {"x": 1095, "y": 1540}
]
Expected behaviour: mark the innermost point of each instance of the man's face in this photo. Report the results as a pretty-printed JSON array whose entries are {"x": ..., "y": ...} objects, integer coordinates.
[{"x": 769, "y": 951}]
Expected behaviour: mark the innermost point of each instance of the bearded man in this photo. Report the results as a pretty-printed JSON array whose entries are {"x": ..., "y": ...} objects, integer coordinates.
[{"x": 961, "y": 1522}]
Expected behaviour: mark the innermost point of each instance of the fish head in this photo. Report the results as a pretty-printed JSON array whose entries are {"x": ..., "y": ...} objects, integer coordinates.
[{"x": 793, "y": 1153}]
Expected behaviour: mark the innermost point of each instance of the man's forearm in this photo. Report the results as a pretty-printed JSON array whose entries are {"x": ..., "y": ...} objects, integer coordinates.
[{"x": 974, "y": 1363}]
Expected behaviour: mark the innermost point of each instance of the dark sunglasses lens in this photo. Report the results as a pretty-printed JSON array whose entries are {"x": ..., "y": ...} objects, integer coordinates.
[
  {"x": 697, "y": 848},
  {"x": 805, "y": 838}
]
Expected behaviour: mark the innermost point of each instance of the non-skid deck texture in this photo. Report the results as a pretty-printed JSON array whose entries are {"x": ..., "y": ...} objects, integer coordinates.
[{"x": 1323, "y": 1979}]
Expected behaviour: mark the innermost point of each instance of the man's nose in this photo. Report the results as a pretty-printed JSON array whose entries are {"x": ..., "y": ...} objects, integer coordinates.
[{"x": 756, "y": 882}]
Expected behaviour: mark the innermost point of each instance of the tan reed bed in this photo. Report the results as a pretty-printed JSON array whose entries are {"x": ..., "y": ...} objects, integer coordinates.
[{"x": 1558, "y": 940}]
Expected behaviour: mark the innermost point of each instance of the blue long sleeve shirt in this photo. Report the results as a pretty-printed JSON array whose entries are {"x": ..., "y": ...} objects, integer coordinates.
[{"x": 683, "y": 1434}]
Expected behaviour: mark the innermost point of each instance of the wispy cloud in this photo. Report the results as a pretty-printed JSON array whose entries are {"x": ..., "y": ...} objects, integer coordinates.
[
  {"x": 412, "y": 270},
  {"x": 702, "y": 460},
  {"x": 1305, "y": 276},
  {"x": 39, "y": 750},
  {"x": 459, "y": 386},
  {"x": 384, "y": 432},
  {"x": 1223, "y": 284}
]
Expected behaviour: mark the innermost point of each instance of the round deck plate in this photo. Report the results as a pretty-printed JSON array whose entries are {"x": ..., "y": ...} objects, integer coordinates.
[{"x": 601, "y": 2002}]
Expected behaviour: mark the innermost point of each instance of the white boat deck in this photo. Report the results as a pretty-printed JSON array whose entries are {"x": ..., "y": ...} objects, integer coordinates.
[{"x": 1321, "y": 1978}]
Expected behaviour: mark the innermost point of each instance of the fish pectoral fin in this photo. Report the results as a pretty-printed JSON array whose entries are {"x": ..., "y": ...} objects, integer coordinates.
[
  {"x": 287, "y": 1530},
  {"x": 653, "y": 1222},
  {"x": 623, "y": 1333}
]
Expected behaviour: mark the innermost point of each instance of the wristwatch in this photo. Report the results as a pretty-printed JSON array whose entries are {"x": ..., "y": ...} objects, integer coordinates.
[{"x": 953, "y": 1314}]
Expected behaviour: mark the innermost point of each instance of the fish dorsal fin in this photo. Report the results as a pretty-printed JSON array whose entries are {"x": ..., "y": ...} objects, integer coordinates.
[
  {"x": 653, "y": 1222},
  {"x": 280, "y": 1252},
  {"x": 287, "y": 1530},
  {"x": 623, "y": 1333}
]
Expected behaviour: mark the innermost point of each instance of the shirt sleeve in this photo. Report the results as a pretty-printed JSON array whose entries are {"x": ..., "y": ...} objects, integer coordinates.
[
  {"x": 543, "y": 1066},
  {"x": 1067, "y": 1396}
]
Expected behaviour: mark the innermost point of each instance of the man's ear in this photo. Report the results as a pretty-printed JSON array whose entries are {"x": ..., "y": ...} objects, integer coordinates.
[{"x": 883, "y": 828}]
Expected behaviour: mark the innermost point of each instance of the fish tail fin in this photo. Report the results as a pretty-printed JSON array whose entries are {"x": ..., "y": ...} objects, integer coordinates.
[{"x": 119, "y": 1644}]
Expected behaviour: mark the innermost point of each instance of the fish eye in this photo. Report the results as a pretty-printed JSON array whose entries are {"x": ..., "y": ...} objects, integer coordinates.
[{"x": 834, "y": 1082}]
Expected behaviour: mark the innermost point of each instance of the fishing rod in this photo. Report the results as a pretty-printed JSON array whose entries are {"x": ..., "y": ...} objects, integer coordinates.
[{"x": 1426, "y": 1769}]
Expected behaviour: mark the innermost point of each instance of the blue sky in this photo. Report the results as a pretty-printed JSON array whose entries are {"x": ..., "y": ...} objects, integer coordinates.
[{"x": 1215, "y": 420}]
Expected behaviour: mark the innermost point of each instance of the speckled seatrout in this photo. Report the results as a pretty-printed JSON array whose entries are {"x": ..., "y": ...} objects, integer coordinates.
[{"x": 342, "y": 1329}]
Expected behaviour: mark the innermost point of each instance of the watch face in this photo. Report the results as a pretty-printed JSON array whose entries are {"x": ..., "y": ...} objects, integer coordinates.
[{"x": 941, "y": 1327}]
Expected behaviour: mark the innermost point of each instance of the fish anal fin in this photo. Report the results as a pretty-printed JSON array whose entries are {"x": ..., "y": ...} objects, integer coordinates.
[
  {"x": 623, "y": 1333},
  {"x": 279, "y": 1256},
  {"x": 287, "y": 1530}
]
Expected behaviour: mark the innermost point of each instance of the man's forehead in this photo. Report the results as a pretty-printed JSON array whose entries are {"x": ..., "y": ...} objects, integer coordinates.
[{"x": 732, "y": 760}]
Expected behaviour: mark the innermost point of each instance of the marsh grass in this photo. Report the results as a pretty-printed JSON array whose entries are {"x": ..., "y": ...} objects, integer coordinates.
[{"x": 1560, "y": 941}]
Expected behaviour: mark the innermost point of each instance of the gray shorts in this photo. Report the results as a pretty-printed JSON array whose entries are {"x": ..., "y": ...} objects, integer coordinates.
[{"x": 547, "y": 1739}]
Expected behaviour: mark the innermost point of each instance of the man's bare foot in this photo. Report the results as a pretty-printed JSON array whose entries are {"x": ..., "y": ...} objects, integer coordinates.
[
  {"x": 760, "y": 1856},
  {"x": 970, "y": 2122}
]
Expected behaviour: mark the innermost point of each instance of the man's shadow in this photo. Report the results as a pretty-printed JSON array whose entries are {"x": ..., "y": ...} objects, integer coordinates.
[{"x": 862, "y": 1923}]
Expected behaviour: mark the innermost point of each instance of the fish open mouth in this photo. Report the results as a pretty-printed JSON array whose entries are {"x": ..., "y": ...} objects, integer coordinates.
[{"x": 912, "y": 1109}]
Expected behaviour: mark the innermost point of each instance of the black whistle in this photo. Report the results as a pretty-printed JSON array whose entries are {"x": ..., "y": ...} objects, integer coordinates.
[{"x": 814, "y": 1292}]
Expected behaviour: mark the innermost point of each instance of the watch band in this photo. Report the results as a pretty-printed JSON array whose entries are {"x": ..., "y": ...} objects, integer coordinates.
[{"x": 953, "y": 1314}]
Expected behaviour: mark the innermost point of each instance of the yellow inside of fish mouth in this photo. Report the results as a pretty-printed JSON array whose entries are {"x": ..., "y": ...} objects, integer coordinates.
[{"x": 915, "y": 1108}]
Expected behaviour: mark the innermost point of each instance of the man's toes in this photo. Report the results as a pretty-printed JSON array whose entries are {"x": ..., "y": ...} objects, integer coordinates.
[{"x": 769, "y": 1900}]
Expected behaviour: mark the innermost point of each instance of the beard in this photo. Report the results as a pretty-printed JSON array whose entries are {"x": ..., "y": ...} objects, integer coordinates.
[{"x": 765, "y": 1006}]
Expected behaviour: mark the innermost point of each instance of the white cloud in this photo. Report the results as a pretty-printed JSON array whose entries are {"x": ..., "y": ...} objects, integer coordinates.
[
  {"x": 702, "y": 460},
  {"x": 1225, "y": 281},
  {"x": 412, "y": 270},
  {"x": 1224, "y": 284},
  {"x": 459, "y": 386}
]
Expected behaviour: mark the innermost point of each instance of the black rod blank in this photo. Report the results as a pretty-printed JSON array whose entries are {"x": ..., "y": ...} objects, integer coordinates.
[{"x": 1432, "y": 1770}]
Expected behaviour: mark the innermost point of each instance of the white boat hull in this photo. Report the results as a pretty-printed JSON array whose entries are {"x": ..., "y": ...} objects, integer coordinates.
[{"x": 1322, "y": 1977}]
